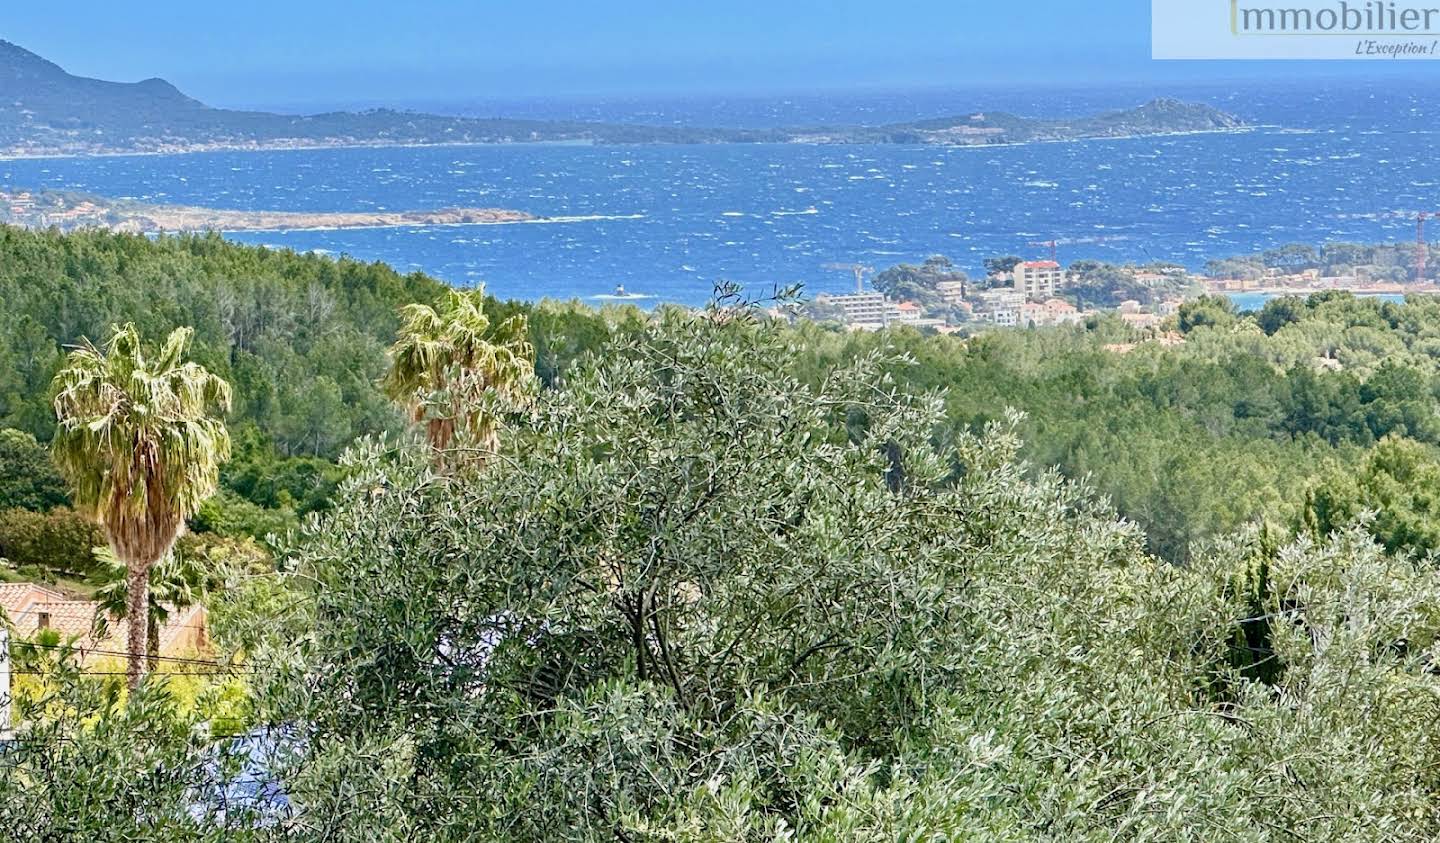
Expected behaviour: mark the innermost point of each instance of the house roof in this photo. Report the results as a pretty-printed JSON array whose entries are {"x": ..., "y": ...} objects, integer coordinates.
[
  {"x": 76, "y": 618},
  {"x": 17, "y": 597},
  {"x": 67, "y": 617},
  {"x": 1040, "y": 265}
]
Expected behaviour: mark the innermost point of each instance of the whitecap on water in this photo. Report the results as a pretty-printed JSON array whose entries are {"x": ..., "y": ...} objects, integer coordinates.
[{"x": 577, "y": 218}]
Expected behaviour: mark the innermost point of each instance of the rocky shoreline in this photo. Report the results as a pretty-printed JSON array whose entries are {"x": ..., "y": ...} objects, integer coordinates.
[
  {"x": 176, "y": 219},
  {"x": 70, "y": 211}
]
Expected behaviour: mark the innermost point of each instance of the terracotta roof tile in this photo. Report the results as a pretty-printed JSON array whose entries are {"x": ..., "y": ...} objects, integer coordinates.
[
  {"x": 67, "y": 617},
  {"x": 76, "y": 618},
  {"x": 16, "y": 597}
]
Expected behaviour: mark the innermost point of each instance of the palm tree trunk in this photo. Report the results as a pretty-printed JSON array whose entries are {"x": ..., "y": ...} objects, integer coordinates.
[
  {"x": 152, "y": 646},
  {"x": 137, "y": 616}
]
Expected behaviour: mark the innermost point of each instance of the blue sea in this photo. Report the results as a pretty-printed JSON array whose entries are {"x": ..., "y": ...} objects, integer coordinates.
[
  {"x": 1337, "y": 161},
  {"x": 1255, "y": 301}
]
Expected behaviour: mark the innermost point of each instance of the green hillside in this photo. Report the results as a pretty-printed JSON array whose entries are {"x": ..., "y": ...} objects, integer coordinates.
[
  {"x": 729, "y": 581},
  {"x": 1250, "y": 419}
]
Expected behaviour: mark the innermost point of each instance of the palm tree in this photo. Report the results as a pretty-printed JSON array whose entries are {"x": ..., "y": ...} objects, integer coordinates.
[
  {"x": 455, "y": 374},
  {"x": 177, "y": 582},
  {"x": 141, "y": 442}
]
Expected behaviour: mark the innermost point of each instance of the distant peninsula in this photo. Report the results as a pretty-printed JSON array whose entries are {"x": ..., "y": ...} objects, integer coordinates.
[
  {"x": 45, "y": 111},
  {"x": 68, "y": 211}
]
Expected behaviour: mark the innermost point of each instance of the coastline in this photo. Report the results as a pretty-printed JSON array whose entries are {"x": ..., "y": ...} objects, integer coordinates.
[
  {"x": 185, "y": 219},
  {"x": 519, "y": 218},
  {"x": 69, "y": 211},
  {"x": 11, "y": 155},
  {"x": 1353, "y": 289}
]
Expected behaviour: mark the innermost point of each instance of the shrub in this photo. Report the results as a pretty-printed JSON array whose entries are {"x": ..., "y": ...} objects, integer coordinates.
[
  {"x": 28, "y": 479},
  {"x": 696, "y": 600},
  {"x": 229, "y": 515},
  {"x": 61, "y": 540}
]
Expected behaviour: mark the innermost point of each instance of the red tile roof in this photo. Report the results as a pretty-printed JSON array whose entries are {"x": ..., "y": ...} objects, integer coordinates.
[
  {"x": 27, "y": 604},
  {"x": 17, "y": 597},
  {"x": 67, "y": 617}
]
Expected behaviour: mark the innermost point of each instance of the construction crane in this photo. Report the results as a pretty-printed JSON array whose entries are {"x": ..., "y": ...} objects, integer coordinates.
[
  {"x": 860, "y": 270},
  {"x": 1422, "y": 249},
  {"x": 1053, "y": 245}
]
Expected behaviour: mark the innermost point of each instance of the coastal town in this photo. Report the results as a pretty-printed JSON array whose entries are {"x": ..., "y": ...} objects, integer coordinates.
[
  {"x": 1042, "y": 293},
  {"x": 1029, "y": 294}
]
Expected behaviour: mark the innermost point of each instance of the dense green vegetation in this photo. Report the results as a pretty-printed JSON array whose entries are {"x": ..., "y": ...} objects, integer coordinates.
[
  {"x": 909, "y": 282},
  {"x": 1382, "y": 261},
  {"x": 301, "y": 339},
  {"x": 1240, "y": 423},
  {"x": 724, "y": 578},
  {"x": 714, "y": 588}
]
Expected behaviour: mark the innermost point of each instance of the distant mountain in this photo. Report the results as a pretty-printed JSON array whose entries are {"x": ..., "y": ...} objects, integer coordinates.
[{"x": 46, "y": 111}]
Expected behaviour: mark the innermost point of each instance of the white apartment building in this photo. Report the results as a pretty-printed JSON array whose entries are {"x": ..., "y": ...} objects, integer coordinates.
[
  {"x": 1049, "y": 312},
  {"x": 951, "y": 292},
  {"x": 868, "y": 311},
  {"x": 1001, "y": 307},
  {"x": 864, "y": 309},
  {"x": 1038, "y": 279}
]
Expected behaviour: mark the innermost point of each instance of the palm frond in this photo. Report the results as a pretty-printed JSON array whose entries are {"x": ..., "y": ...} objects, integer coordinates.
[
  {"x": 140, "y": 439},
  {"x": 450, "y": 365}
]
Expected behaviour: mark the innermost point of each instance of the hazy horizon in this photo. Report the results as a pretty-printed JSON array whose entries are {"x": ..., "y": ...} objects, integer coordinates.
[{"x": 367, "y": 53}]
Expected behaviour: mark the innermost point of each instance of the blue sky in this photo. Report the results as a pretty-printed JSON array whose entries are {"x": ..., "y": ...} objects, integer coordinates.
[{"x": 301, "y": 52}]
